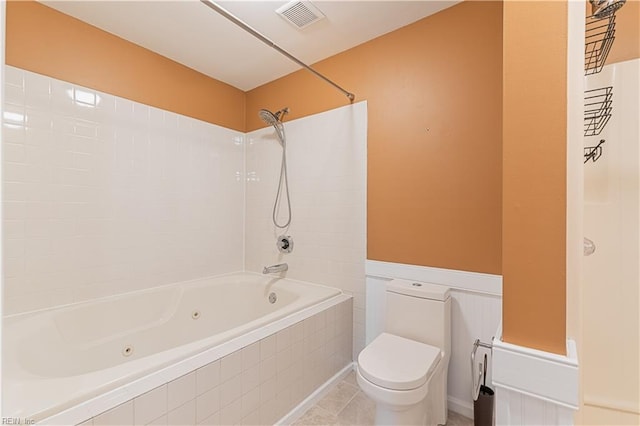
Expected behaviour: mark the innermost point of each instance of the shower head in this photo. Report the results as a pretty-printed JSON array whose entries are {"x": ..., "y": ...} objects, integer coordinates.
[
  {"x": 604, "y": 8},
  {"x": 275, "y": 120},
  {"x": 271, "y": 118}
]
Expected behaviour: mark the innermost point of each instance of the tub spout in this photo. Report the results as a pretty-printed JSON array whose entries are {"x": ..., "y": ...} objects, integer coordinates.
[{"x": 281, "y": 267}]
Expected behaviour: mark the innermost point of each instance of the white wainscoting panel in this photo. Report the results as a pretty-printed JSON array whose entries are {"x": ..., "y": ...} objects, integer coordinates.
[
  {"x": 534, "y": 387},
  {"x": 475, "y": 314},
  {"x": 516, "y": 408}
]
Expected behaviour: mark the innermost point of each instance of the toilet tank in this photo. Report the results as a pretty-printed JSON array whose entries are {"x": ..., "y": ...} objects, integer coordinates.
[{"x": 419, "y": 311}]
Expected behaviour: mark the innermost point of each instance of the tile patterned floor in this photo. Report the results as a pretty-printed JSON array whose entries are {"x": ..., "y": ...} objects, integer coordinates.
[{"x": 345, "y": 404}]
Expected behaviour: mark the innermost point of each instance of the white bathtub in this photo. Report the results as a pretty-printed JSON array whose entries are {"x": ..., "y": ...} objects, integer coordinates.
[{"x": 58, "y": 358}]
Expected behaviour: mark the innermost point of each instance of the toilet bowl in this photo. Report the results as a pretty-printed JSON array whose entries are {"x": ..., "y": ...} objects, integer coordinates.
[
  {"x": 404, "y": 369},
  {"x": 397, "y": 374}
]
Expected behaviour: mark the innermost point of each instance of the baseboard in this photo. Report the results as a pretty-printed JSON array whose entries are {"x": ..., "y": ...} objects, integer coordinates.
[
  {"x": 461, "y": 407},
  {"x": 316, "y": 396}
]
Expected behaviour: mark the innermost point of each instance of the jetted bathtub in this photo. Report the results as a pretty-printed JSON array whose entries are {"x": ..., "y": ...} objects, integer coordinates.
[{"x": 58, "y": 358}]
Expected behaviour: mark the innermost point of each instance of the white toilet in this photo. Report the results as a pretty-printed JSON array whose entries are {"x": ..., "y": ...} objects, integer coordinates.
[{"x": 404, "y": 369}]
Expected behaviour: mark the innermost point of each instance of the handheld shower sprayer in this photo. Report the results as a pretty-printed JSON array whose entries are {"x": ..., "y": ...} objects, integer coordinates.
[
  {"x": 271, "y": 118},
  {"x": 275, "y": 120}
]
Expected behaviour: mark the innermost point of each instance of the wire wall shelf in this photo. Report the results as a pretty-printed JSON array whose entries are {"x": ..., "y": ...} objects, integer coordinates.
[
  {"x": 593, "y": 153},
  {"x": 597, "y": 109},
  {"x": 599, "y": 36}
]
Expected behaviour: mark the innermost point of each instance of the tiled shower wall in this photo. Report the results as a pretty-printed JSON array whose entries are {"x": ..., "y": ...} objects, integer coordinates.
[
  {"x": 102, "y": 195},
  {"x": 256, "y": 385},
  {"x": 327, "y": 161}
]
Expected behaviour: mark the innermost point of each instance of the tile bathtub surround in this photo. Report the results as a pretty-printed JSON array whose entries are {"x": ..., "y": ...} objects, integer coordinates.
[
  {"x": 256, "y": 385},
  {"x": 102, "y": 195},
  {"x": 326, "y": 159}
]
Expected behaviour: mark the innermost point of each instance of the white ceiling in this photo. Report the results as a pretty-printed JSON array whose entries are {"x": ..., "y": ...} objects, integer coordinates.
[{"x": 192, "y": 34}]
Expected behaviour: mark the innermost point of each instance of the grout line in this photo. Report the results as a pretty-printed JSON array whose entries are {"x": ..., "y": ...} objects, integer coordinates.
[{"x": 348, "y": 402}]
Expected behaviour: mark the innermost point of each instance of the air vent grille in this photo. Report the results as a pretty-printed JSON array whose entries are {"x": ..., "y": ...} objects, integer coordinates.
[{"x": 300, "y": 14}]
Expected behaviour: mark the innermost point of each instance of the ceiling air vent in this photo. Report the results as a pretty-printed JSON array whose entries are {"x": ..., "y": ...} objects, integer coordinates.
[{"x": 300, "y": 14}]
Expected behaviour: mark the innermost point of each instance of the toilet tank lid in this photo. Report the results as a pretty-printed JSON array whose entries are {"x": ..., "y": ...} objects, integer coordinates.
[{"x": 419, "y": 289}]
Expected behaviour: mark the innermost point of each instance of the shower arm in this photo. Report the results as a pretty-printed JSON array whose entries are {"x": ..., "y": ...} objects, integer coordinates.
[{"x": 269, "y": 43}]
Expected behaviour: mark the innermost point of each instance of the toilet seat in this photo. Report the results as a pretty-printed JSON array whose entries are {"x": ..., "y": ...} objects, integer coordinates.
[{"x": 397, "y": 363}]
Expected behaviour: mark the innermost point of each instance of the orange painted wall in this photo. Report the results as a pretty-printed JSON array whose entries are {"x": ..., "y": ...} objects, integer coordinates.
[
  {"x": 43, "y": 40},
  {"x": 434, "y": 98},
  {"x": 534, "y": 174}
]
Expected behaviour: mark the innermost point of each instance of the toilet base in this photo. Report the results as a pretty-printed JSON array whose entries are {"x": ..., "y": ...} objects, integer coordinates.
[
  {"x": 402, "y": 407},
  {"x": 408, "y": 415}
]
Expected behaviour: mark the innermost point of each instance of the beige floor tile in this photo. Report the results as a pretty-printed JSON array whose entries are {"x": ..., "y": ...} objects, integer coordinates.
[
  {"x": 338, "y": 397},
  {"x": 455, "y": 419},
  {"x": 316, "y": 416},
  {"x": 346, "y": 405},
  {"x": 359, "y": 411},
  {"x": 351, "y": 379}
]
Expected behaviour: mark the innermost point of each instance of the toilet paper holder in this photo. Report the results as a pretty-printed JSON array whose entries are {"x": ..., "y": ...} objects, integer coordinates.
[{"x": 476, "y": 382}]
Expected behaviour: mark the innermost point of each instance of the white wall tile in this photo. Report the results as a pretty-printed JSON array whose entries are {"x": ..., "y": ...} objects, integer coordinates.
[
  {"x": 268, "y": 347},
  {"x": 230, "y": 390},
  {"x": 250, "y": 401},
  {"x": 232, "y": 413},
  {"x": 150, "y": 406},
  {"x": 283, "y": 339},
  {"x": 326, "y": 156},
  {"x": 250, "y": 378},
  {"x": 250, "y": 356},
  {"x": 120, "y": 415},
  {"x": 181, "y": 390},
  {"x": 207, "y": 377},
  {"x": 207, "y": 404},
  {"x": 213, "y": 420},
  {"x": 185, "y": 415},
  {"x": 268, "y": 368},
  {"x": 124, "y": 173},
  {"x": 160, "y": 421},
  {"x": 230, "y": 366}
]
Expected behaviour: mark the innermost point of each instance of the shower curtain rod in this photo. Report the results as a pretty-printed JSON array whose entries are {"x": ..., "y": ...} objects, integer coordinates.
[{"x": 268, "y": 42}]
